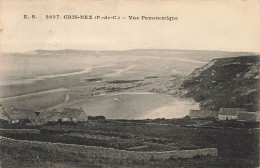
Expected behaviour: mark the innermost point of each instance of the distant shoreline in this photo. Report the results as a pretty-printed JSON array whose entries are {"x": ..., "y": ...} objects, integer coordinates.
[
  {"x": 28, "y": 80},
  {"x": 36, "y": 93}
]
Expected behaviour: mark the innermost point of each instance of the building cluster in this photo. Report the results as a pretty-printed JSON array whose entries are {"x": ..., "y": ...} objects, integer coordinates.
[
  {"x": 237, "y": 114},
  {"x": 24, "y": 116}
]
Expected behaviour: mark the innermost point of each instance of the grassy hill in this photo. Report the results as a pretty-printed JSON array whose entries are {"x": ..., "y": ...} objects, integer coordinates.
[{"x": 226, "y": 82}]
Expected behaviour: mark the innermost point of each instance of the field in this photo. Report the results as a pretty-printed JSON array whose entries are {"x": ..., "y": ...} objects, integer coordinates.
[{"x": 237, "y": 147}]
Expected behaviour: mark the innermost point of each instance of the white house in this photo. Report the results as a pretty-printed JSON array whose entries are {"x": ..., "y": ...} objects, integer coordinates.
[
  {"x": 228, "y": 113},
  {"x": 203, "y": 113}
]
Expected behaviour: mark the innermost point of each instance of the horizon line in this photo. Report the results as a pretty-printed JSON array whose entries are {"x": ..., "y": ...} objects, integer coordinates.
[{"x": 24, "y": 52}]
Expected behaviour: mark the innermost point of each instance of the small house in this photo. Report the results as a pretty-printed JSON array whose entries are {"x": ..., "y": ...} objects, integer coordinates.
[
  {"x": 228, "y": 113},
  {"x": 247, "y": 116},
  {"x": 46, "y": 116},
  {"x": 74, "y": 115},
  {"x": 3, "y": 114},
  {"x": 62, "y": 115},
  {"x": 203, "y": 113},
  {"x": 22, "y": 116}
]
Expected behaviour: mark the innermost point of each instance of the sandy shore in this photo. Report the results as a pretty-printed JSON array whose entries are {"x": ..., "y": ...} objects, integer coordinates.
[{"x": 176, "y": 109}]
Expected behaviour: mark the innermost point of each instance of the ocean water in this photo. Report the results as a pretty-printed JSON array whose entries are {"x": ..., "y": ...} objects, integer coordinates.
[{"x": 28, "y": 68}]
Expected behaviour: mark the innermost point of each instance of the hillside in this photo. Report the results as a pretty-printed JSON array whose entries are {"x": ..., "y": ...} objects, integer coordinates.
[{"x": 226, "y": 82}]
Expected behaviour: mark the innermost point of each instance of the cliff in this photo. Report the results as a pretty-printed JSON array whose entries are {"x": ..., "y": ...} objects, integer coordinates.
[{"x": 226, "y": 82}]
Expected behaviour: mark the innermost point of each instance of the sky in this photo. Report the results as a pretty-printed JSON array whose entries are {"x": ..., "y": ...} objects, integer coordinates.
[{"x": 229, "y": 25}]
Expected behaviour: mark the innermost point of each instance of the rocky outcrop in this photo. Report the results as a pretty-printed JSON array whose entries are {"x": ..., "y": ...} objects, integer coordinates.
[{"x": 197, "y": 71}]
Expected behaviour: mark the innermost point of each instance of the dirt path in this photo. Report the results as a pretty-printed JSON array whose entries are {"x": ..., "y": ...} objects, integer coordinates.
[{"x": 66, "y": 100}]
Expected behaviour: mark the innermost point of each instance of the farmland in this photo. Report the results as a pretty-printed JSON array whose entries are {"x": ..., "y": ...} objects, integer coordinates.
[{"x": 235, "y": 146}]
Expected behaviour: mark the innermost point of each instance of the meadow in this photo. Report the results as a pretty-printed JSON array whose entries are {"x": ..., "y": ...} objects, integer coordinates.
[{"x": 237, "y": 147}]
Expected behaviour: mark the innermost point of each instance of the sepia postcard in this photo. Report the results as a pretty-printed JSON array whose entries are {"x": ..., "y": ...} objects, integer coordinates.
[{"x": 129, "y": 83}]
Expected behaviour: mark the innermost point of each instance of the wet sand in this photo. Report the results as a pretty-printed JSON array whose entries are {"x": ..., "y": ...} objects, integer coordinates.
[{"x": 177, "y": 109}]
